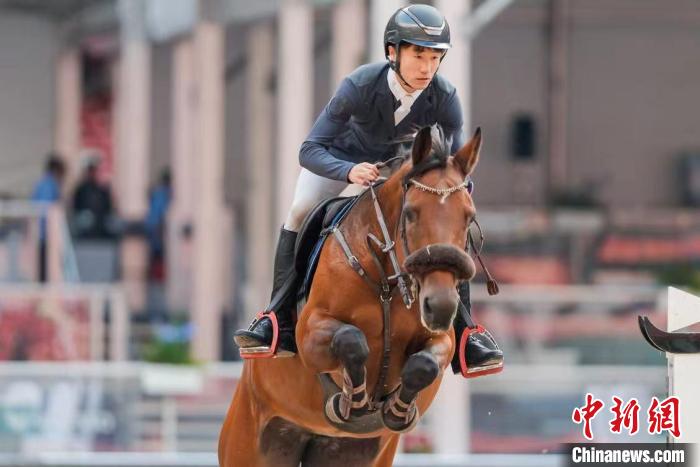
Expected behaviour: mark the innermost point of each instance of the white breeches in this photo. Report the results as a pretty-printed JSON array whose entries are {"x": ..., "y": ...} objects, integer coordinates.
[{"x": 311, "y": 189}]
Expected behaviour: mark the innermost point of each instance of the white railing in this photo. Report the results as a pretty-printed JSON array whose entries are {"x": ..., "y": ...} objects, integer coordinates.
[
  {"x": 77, "y": 315},
  {"x": 165, "y": 409},
  {"x": 136, "y": 407},
  {"x": 24, "y": 238},
  {"x": 196, "y": 459}
]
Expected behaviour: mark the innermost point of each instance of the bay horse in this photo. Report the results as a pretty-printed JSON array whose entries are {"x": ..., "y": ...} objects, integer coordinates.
[{"x": 344, "y": 399}]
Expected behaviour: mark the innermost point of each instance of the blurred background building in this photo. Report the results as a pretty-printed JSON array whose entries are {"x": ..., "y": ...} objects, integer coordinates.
[{"x": 179, "y": 124}]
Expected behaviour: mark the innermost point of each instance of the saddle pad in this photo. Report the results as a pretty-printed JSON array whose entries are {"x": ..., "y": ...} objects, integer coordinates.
[{"x": 316, "y": 252}]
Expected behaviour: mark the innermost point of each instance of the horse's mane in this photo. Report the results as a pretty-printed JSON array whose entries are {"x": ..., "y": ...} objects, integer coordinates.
[{"x": 440, "y": 151}]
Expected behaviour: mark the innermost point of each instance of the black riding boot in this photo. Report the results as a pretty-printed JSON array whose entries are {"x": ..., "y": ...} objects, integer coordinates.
[
  {"x": 482, "y": 355},
  {"x": 257, "y": 339}
]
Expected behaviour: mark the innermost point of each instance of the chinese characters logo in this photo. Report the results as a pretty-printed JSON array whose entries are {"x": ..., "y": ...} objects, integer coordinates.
[{"x": 661, "y": 415}]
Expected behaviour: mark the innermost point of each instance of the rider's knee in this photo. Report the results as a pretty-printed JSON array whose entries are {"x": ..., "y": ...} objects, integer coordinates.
[{"x": 297, "y": 214}]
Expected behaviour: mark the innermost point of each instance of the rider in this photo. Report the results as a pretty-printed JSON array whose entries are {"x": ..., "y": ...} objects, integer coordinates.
[{"x": 374, "y": 107}]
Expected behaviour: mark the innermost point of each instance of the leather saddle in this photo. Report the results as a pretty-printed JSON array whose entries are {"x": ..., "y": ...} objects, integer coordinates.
[{"x": 323, "y": 216}]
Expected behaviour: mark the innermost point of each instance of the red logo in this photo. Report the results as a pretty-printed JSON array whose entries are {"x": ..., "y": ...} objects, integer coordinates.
[
  {"x": 627, "y": 417},
  {"x": 586, "y": 413},
  {"x": 663, "y": 416}
]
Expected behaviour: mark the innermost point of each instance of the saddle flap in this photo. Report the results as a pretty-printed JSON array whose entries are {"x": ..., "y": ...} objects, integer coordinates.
[{"x": 308, "y": 234}]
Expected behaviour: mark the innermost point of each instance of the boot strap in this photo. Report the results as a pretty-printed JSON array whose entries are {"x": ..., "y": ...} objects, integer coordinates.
[
  {"x": 346, "y": 403},
  {"x": 398, "y": 407}
]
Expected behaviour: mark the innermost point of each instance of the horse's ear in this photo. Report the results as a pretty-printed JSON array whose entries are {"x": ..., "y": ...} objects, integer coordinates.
[
  {"x": 422, "y": 145},
  {"x": 468, "y": 155}
]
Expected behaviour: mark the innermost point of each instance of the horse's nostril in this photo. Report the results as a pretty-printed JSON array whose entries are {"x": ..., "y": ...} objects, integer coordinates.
[
  {"x": 427, "y": 310},
  {"x": 438, "y": 311}
]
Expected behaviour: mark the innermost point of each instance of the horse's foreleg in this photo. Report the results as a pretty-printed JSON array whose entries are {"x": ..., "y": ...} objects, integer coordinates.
[
  {"x": 421, "y": 369},
  {"x": 329, "y": 345},
  {"x": 349, "y": 346}
]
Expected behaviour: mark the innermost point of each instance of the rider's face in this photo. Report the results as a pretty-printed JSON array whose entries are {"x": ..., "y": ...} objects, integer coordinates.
[{"x": 418, "y": 65}]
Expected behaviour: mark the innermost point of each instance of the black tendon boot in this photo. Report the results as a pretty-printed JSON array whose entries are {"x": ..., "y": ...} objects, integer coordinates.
[
  {"x": 477, "y": 352},
  {"x": 257, "y": 340}
]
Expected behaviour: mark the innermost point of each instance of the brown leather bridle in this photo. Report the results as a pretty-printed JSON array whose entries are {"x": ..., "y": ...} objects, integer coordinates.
[{"x": 406, "y": 284}]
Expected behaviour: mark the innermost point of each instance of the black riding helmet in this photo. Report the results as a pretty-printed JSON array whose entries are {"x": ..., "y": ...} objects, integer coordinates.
[{"x": 421, "y": 25}]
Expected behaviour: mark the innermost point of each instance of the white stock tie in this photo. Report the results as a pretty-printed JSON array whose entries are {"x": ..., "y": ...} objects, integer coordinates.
[{"x": 404, "y": 108}]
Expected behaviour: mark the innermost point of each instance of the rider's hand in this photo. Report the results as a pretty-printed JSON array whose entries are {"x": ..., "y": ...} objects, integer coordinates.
[{"x": 363, "y": 173}]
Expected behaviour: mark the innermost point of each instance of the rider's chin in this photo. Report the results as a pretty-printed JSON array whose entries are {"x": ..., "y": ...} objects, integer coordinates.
[{"x": 421, "y": 83}]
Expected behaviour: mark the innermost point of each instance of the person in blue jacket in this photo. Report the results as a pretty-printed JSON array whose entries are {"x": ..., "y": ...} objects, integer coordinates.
[
  {"x": 47, "y": 191},
  {"x": 373, "y": 108}
]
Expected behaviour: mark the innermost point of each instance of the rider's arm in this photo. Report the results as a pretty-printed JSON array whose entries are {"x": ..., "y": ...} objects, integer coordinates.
[{"x": 332, "y": 121}]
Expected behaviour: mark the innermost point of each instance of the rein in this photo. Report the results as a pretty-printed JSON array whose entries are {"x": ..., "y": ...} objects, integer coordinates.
[{"x": 398, "y": 278}]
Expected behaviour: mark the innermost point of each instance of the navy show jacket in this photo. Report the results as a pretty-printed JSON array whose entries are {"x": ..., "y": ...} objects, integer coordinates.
[{"x": 357, "y": 124}]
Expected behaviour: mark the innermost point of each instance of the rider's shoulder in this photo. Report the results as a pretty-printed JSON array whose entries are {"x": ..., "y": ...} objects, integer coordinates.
[{"x": 367, "y": 74}]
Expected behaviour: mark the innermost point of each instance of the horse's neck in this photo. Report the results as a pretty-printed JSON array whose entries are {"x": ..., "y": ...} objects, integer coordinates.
[{"x": 364, "y": 218}]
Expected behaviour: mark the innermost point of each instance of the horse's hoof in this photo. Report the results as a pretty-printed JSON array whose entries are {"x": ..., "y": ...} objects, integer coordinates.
[
  {"x": 398, "y": 424},
  {"x": 333, "y": 409}
]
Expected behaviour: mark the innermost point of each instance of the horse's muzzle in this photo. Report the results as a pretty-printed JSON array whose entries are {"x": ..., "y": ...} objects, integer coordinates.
[{"x": 441, "y": 257}]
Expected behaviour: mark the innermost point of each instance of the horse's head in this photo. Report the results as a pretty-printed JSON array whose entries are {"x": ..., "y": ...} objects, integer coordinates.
[{"x": 436, "y": 213}]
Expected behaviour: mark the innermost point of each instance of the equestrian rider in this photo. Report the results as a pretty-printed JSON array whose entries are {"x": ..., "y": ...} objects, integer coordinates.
[{"x": 374, "y": 106}]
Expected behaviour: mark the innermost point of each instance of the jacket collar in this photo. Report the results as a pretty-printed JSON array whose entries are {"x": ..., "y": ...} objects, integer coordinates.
[{"x": 385, "y": 100}]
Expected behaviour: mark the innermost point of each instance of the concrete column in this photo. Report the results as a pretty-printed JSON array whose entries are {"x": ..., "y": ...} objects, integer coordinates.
[
  {"x": 261, "y": 225},
  {"x": 295, "y": 98},
  {"x": 380, "y": 12},
  {"x": 180, "y": 217},
  {"x": 452, "y": 401},
  {"x": 349, "y": 39},
  {"x": 212, "y": 257},
  {"x": 456, "y": 66},
  {"x": 133, "y": 142},
  {"x": 558, "y": 94},
  {"x": 67, "y": 111},
  {"x": 55, "y": 243}
]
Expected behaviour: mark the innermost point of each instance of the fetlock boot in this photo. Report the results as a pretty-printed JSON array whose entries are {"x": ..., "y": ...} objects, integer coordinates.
[
  {"x": 477, "y": 352},
  {"x": 259, "y": 339}
]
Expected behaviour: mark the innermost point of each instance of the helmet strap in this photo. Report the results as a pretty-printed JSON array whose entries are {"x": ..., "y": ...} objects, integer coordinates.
[
  {"x": 398, "y": 73},
  {"x": 396, "y": 66}
]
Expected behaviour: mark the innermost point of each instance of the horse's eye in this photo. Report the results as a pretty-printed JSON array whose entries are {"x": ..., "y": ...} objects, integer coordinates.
[{"x": 410, "y": 214}]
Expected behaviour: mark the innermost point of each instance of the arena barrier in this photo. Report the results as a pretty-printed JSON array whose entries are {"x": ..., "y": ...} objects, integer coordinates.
[
  {"x": 148, "y": 459},
  {"x": 684, "y": 369}
]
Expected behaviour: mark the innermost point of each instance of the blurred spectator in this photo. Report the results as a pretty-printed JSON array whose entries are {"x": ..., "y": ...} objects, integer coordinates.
[
  {"x": 155, "y": 225},
  {"x": 48, "y": 190},
  {"x": 92, "y": 205}
]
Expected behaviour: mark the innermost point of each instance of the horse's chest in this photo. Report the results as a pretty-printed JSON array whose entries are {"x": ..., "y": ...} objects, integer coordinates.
[{"x": 403, "y": 326}]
